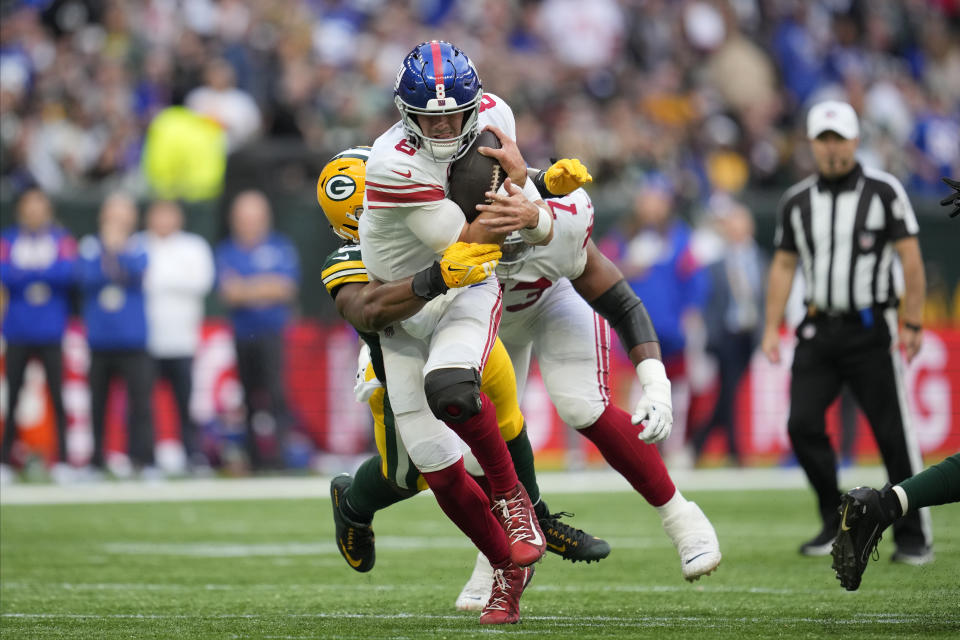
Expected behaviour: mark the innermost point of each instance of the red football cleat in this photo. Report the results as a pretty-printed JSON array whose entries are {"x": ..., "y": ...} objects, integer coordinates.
[
  {"x": 516, "y": 515},
  {"x": 503, "y": 607}
]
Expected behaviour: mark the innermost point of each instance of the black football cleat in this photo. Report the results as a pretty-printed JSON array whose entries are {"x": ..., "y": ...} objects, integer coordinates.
[
  {"x": 862, "y": 521},
  {"x": 354, "y": 540},
  {"x": 569, "y": 542}
]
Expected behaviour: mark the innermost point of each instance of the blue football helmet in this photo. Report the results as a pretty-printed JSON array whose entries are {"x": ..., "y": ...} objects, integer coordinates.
[{"x": 438, "y": 78}]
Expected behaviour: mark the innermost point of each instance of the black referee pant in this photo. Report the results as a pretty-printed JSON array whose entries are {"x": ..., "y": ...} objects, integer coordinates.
[{"x": 830, "y": 352}]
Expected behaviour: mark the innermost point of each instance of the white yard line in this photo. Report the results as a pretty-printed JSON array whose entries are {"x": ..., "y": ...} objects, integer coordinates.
[
  {"x": 551, "y": 483},
  {"x": 713, "y": 620},
  {"x": 338, "y": 587}
]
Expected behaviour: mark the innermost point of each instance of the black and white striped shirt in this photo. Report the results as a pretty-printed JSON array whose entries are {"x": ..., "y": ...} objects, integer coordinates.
[{"x": 843, "y": 231}]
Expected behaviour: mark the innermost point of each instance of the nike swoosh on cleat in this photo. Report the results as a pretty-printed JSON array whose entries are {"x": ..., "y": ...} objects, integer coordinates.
[
  {"x": 537, "y": 538},
  {"x": 696, "y": 556},
  {"x": 403, "y": 175},
  {"x": 353, "y": 563},
  {"x": 843, "y": 522},
  {"x": 556, "y": 548}
]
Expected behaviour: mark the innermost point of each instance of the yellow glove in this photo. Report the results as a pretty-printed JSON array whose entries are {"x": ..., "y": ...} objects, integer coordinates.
[
  {"x": 566, "y": 175},
  {"x": 466, "y": 263}
]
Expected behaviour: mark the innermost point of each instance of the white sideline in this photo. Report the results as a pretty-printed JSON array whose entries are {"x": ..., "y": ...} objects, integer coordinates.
[{"x": 552, "y": 482}]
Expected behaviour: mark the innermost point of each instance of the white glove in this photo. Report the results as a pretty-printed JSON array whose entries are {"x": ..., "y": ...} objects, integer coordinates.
[
  {"x": 365, "y": 382},
  {"x": 655, "y": 407}
]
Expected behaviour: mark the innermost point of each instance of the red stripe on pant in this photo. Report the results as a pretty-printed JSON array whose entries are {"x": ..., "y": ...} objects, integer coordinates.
[
  {"x": 495, "y": 314},
  {"x": 601, "y": 335}
]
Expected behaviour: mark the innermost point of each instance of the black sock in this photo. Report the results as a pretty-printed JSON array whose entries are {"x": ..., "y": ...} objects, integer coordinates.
[
  {"x": 541, "y": 510},
  {"x": 370, "y": 492},
  {"x": 522, "y": 454},
  {"x": 890, "y": 504}
]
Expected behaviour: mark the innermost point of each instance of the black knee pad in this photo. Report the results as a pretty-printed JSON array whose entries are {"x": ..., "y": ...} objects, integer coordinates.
[{"x": 453, "y": 394}]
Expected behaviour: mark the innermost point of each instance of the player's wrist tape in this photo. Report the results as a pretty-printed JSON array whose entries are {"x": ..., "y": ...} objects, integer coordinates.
[
  {"x": 625, "y": 312},
  {"x": 651, "y": 371},
  {"x": 540, "y": 232},
  {"x": 428, "y": 283}
]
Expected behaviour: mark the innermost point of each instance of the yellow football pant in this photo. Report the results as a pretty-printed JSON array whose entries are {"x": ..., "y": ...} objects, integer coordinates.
[{"x": 500, "y": 385}]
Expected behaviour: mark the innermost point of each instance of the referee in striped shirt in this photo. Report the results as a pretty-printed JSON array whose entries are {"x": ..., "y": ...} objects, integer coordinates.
[{"x": 854, "y": 233}]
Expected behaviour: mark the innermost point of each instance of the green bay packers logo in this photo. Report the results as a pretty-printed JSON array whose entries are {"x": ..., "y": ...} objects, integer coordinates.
[{"x": 340, "y": 187}]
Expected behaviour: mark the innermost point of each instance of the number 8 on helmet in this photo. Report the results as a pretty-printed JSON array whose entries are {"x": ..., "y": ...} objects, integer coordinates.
[{"x": 437, "y": 78}]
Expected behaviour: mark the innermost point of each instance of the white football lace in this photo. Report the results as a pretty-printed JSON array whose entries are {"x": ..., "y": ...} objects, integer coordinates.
[
  {"x": 513, "y": 516},
  {"x": 498, "y": 597}
]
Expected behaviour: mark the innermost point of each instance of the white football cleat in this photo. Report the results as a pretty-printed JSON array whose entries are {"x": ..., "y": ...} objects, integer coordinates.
[
  {"x": 695, "y": 540},
  {"x": 476, "y": 592}
]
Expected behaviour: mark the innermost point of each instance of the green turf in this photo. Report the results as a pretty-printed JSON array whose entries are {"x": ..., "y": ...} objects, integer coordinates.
[{"x": 269, "y": 569}]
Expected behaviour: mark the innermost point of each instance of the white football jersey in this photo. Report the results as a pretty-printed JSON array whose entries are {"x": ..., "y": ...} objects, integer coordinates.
[
  {"x": 564, "y": 257},
  {"x": 408, "y": 220}
]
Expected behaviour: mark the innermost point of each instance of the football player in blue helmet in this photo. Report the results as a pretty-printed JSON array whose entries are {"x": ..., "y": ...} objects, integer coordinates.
[{"x": 437, "y": 78}]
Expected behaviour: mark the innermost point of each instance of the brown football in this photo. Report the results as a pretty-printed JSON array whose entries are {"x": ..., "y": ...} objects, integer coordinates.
[{"x": 474, "y": 174}]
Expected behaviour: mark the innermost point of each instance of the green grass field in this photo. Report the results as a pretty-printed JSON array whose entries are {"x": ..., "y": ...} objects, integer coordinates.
[{"x": 269, "y": 569}]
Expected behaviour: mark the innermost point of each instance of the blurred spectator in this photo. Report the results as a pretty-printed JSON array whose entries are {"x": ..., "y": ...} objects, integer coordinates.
[
  {"x": 220, "y": 100},
  {"x": 654, "y": 254},
  {"x": 112, "y": 265},
  {"x": 734, "y": 319},
  {"x": 184, "y": 156},
  {"x": 80, "y": 86},
  {"x": 37, "y": 259},
  {"x": 179, "y": 276},
  {"x": 257, "y": 277}
]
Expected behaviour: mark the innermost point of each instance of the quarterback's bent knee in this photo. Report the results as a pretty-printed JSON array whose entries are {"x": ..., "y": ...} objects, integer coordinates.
[{"x": 453, "y": 394}]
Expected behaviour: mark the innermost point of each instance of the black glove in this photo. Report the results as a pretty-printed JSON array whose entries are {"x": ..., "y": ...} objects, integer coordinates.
[{"x": 953, "y": 198}]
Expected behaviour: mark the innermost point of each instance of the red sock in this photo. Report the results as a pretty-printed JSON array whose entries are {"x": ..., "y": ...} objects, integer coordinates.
[
  {"x": 640, "y": 463},
  {"x": 465, "y": 503},
  {"x": 482, "y": 435}
]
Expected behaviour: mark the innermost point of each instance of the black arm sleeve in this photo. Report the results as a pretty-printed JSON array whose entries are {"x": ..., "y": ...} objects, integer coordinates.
[
  {"x": 625, "y": 312},
  {"x": 541, "y": 185}
]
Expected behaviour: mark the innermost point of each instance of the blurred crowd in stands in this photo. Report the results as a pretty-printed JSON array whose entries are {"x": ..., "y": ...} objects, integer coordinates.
[
  {"x": 675, "y": 105},
  {"x": 710, "y": 92}
]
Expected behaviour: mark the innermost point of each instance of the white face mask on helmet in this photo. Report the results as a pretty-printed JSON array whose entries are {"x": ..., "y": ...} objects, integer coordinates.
[
  {"x": 515, "y": 250},
  {"x": 442, "y": 149}
]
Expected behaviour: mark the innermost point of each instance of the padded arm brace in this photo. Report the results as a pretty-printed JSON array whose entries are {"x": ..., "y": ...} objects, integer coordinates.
[
  {"x": 539, "y": 182},
  {"x": 625, "y": 312},
  {"x": 428, "y": 283}
]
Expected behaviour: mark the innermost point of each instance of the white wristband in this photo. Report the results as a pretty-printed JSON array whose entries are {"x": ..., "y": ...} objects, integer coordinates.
[
  {"x": 651, "y": 370},
  {"x": 540, "y": 232}
]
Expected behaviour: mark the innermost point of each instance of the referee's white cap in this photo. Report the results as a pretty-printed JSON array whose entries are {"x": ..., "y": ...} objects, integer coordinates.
[{"x": 833, "y": 115}]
